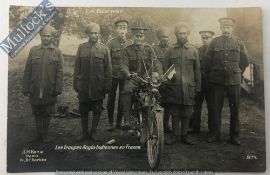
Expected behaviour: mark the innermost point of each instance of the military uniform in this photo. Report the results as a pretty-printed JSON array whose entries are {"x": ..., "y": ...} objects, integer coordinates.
[
  {"x": 42, "y": 82},
  {"x": 205, "y": 90},
  {"x": 179, "y": 93},
  {"x": 161, "y": 51},
  {"x": 132, "y": 62},
  {"x": 116, "y": 46},
  {"x": 227, "y": 59},
  {"x": 92, "y": 80}
]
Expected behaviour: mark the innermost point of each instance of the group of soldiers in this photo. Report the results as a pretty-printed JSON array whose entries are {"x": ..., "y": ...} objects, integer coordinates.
[{"x": 211, "y": 72}]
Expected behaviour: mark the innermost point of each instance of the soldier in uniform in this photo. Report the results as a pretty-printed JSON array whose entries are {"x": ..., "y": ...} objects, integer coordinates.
[
  {"x": 92, "y": 79},
  {"x": 227, "y": 59},
  {"x": 43, "y": 80},
  {"x": 161, "y": 50},
  {"x": 136, "y": 58},
  {"x": 206, "y": 37},
  {"x": 116, "y": 46},
  {"x": 179, "y": 92}
]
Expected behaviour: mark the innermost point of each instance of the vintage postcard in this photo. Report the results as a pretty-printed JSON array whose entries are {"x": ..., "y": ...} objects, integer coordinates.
[{"x": 128, "y": 89}]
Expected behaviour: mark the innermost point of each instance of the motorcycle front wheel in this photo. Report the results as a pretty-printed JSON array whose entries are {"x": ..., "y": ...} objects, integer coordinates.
[{"x": 155, "y": 139}]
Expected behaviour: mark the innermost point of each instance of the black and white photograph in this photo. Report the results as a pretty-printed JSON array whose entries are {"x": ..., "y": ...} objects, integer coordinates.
[{"x": 136, "y": 89}]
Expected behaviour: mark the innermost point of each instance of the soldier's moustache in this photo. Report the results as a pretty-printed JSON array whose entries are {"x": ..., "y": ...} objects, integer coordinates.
[
  {"x": 122, "y": 35},
  {"x": 181, "y": 40},
  {"x": 226, "y": 33}
]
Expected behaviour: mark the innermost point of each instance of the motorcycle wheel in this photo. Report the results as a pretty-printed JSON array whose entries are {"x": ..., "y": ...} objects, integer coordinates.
[{"x": 155, "y": 140}]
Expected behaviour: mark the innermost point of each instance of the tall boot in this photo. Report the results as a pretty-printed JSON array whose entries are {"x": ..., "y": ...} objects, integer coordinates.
[
  {"x": 196, "y": 122},
  {"x": 166, "y": 123},
  {"x": 126, "y": 99},
  {"x": 84, "y": 120},
  {"x": 184, "y": 128},
  {"x": 46, "y": 123},
  {"x": 119, "y": 114},
  {"x": 95, "y": 122},
  {"x": 175, "y": 129},
  {"x": 110, "y": 109},
  {"x": 39, "y": 126}
]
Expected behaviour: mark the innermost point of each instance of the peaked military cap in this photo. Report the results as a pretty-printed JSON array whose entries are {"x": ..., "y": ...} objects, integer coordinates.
[
  {"x": 227, "y": 21},
  {"x": 139, "y": 28},
  {"x": 207, "y": 33},
  {"x": 122, "y": 21}
]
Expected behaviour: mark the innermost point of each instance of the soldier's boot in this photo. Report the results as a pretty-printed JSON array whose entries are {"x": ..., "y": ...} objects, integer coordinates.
[
  {"x": 46, "y": 125},
  {"x": 210, "y": 121},
  {"x": 110, "y": 109},
  {"x": 234, "y": 138},
  {"x": 175, "y": 131},
  {"x": 215, "y": 134},
  {"x": 84, "y": 121},
  {"x": 166, "y": 123},
  {"x": 213, "y": 137},
  {"x": 196, "y": 122},
  {"x": 184, "y": 128},
  {"x": 39, "y": 127},
  {"x": 93, "y": 133},
  {"x": 111, "y": 127},
  {"x": 235, "y": 141},
  {"x": 234, "y": 129},
  {"x": 119, "y": 114},
  {"x": 126, "y": 99},
  {"x": 187, "y": 140},
  {"x": 119, "y": 123},
  {"x": 119, "y": 119},
  {"x": 190, "y": 123}
]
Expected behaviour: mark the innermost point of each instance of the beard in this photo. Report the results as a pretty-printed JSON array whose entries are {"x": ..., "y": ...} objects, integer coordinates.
[
  {"x": 227, "y": 34},
  {"x": 164, "y": 42},
  {"x": 138, "y": 42},
  {"x": 182, "y": 40},
  {"x": 93, "y": 40},
  {"x": 46, "y": 42},
  {"x": 121, "y": 35}
]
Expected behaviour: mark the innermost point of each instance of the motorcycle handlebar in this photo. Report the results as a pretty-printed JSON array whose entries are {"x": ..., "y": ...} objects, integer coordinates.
[{"x": 133, "y": 75}]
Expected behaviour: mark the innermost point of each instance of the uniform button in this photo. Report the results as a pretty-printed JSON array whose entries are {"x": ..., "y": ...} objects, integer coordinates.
[{"x": 226, "y": 54}]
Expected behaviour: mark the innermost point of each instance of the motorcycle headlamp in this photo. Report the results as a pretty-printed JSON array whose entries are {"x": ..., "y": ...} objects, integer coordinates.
[{"x": 155, "y": 78}]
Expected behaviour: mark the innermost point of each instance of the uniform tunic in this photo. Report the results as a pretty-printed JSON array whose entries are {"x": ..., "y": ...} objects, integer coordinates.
[
  {"x": 116, "y": 45},
  {"x": 43, "y": 75},
  {"x": 137, "y": 58},
  {"x": 161, "y": 51},
  {"x": 92, "y": 71},
  {"x": 181, "y": 89},
  {"x": 227, "y": 59}
]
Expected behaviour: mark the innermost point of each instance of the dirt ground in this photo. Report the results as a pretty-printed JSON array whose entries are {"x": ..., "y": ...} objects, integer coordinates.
[{"x": 219, "y": 157}]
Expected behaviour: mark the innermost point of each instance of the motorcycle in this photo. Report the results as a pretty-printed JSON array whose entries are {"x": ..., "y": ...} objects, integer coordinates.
[{"x": 147, "y": 114}]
